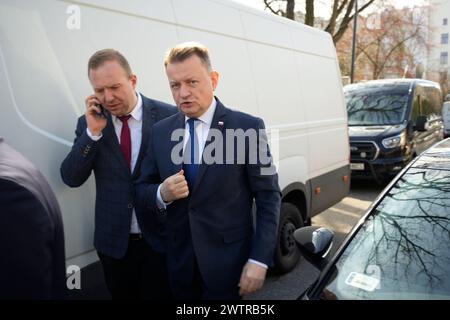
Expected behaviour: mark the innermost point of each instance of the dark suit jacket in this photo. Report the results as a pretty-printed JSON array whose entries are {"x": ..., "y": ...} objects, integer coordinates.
[
  {"x": 215, "y": 223},
  {"x": 32, "y": 263},
  {"x": 114, "y": 182}
]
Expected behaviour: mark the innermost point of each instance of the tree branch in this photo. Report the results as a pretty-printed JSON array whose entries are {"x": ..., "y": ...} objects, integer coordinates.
[{"x": 268, "y": 4}]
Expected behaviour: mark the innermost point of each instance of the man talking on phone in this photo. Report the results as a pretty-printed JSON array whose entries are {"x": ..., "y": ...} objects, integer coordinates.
[{"x": 111, "y": 138}]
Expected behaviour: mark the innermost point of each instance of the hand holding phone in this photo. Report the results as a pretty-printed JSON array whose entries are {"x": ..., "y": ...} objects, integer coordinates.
[
  {"x": 96, "y": 115},
  {"x": 103, "y": 112}
]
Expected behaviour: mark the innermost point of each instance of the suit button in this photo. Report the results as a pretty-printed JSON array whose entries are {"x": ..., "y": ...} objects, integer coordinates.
[{"x": 130, "y": 205}]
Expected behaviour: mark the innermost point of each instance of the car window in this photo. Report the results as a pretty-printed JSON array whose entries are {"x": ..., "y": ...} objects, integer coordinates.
[
  {"x": 416, "y": 107},
  {"x": 376, "y": 107},
  {"x": 403, "y": 250},
  {"x": 431, "y": 103}
]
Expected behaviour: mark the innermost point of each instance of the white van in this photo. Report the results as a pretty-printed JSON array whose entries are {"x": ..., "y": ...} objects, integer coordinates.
[
  {"x": 277, "y": 69},
  {"x": 446, "y": 118}
]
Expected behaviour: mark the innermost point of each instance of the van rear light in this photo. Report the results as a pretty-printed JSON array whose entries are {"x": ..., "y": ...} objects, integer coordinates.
[
  {"x": 345, "y": 178},
  {"x": 317, "y": 190}
]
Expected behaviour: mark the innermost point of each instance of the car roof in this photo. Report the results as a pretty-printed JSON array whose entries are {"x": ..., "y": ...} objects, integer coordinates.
[
  {"x": 436, "y": 157},
  {"x": 387, "y": 84}
]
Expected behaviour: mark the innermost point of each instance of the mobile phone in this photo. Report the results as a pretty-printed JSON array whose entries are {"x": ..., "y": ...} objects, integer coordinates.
[{"x": 103, "y": 112}]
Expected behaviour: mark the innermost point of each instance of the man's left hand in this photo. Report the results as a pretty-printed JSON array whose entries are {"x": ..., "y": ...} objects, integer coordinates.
[{"x": 252, "y": 278}]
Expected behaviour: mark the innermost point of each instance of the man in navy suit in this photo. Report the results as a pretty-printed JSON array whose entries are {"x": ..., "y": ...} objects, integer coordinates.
[
  {"x": 111, "y": 143},
  {"x": 32, "y": 264},
  {"x": 214, "y": 250}
]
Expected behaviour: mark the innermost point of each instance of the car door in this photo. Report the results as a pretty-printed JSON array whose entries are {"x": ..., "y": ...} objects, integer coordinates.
[{"x": 431, "y": 107}]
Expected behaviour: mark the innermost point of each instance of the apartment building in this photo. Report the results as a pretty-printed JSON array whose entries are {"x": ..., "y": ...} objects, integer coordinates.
[{"x": 438, "y": 66}]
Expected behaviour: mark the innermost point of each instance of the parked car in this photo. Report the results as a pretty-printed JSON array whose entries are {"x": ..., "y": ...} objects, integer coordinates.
[
  {"x": 400, "y": 249},
  {"x": 390, "y": 122}
]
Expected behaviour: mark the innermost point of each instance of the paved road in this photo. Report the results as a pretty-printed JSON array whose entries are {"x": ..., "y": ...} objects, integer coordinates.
[{"x": 339, "y": 218}]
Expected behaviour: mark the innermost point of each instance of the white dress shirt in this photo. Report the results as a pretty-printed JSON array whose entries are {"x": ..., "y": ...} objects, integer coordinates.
[{"x": 135, "y": 125}]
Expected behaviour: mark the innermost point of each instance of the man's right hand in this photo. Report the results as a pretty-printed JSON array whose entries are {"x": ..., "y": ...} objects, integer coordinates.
[
  {"x": 174, "y": 187},
  {"x": 95, "y": 122}
]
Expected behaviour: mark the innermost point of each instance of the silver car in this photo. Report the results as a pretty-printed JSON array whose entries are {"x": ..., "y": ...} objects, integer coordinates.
[{"x": 400, "y": 249}]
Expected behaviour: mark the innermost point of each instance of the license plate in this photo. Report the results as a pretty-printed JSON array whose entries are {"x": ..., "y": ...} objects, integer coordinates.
[{"x": 356, "y": 166}]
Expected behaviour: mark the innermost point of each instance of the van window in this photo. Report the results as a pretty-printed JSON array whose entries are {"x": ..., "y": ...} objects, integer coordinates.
[
  {"x": 427, "y": 107},
  {"x": 431, "y": 104},
  {"x": 416, "y": 107},
  {"x": 374, "y": 107},
  {"x": 438, "y": 100}
]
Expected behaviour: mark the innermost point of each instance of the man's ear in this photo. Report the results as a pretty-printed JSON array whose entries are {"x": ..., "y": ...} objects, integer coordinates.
[
  {"x": 133, "y": 80},
  {"x": 214, "y": 79}
]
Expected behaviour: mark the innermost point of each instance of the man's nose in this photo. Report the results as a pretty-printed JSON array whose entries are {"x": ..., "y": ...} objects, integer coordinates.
[
  {"x": 184, "y": 91},
  {"x": 109, "y": 97}
]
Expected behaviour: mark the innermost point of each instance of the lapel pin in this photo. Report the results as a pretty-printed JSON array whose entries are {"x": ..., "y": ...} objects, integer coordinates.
[{"x": 220, "y": 123}]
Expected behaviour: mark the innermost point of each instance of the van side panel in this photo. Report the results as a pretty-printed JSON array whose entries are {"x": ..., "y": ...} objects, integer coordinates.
[
  {"x": 326, "y": 118},
  {"x": 44, "y": 80},
  {"x": 270, "y": 67},
  {"x": 332, "y": 189}
]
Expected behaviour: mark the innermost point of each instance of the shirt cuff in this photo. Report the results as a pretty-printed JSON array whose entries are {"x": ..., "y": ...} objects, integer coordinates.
[
  {"x": 95, "y": 138},
  {"x": 258, "y": 263},
  {"x": 159, "y": 200}
]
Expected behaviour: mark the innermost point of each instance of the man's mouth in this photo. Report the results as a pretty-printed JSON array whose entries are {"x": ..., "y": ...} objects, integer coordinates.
[
  {"x": 112, "y": 106},
  {"x": 186, "y": 104}
]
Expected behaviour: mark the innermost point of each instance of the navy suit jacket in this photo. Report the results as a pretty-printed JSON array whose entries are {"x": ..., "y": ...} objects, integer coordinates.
[
  {"x": 114, "y": 181},
  {"x": 32, "y": 264},
  {"x": 214, "y": 225}
]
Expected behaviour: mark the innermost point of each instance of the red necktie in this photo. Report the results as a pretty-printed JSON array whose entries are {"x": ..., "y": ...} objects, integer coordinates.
[{"x": 125, "y": 139}]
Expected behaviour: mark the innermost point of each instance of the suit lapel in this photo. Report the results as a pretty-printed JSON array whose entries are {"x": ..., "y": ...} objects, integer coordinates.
[
  {"x": 149, "y": 117},
  {"x": 179, "y": 124},
  {"x": 219, "y": 116}
]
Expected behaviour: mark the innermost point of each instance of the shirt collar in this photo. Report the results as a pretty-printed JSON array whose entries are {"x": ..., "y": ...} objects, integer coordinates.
[
  {"x": 136, "y": 114},
  {"x": 208, "y": 115}
]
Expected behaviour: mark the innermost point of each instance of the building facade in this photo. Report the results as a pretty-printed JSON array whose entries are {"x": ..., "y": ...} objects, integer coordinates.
[{"x": 438, "y": 64}]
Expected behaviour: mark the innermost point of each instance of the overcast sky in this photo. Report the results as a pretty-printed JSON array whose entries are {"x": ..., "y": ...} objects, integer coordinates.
[{"x": 323, "y": 7}]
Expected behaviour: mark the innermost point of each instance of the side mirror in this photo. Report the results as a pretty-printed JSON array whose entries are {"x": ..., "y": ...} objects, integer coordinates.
[
  {"x": 315, "y": 243},
  {"x": 421, "y": 122}
]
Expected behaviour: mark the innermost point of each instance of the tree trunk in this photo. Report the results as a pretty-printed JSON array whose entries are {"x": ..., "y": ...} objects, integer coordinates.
[
  {"x": 290, "y": 9},
  {"x": 309, "y": 17}
]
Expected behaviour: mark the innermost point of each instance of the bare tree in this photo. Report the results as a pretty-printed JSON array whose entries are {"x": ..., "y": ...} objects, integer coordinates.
[
  {"x": 392, "y": 47},
  {"x": 342, "y": 13}
]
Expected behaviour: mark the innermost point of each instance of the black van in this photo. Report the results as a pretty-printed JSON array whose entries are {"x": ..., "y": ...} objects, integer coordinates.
[{"x": 390, "y": 122}]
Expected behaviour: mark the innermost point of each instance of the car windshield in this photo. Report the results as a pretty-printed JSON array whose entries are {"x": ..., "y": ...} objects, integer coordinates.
[
  {"x": 402, "y": 251},
  {"x": 369, "y": 108}
]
